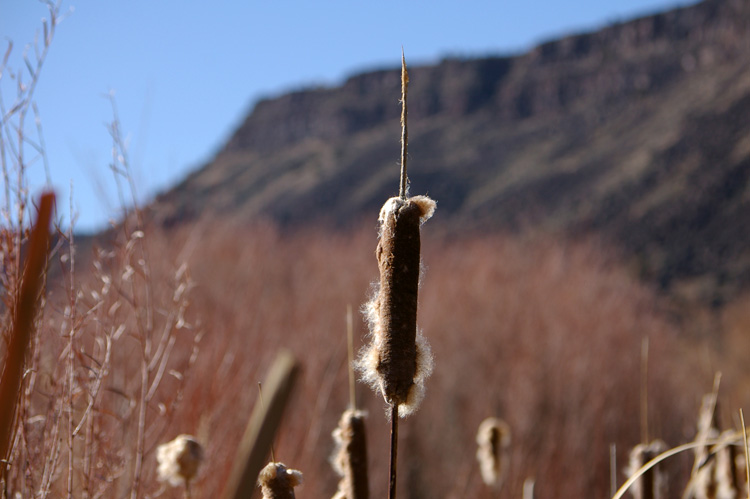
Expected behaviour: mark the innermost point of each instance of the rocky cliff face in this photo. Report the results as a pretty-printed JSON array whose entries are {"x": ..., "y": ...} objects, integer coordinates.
[{"x": 640, "y": 131}]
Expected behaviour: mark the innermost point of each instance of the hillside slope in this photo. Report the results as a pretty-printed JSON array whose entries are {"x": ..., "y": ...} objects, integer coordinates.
[{"x": 639, "y": 131}]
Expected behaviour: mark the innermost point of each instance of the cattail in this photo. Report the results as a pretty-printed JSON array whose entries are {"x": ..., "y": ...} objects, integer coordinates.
[
  {"x": 528, "y": 488},
  {"x": 398, "y": 360},
  {"x": 350, "y": 458},
  {"x": 653, "y": 483},
  {"x": 717, "y": 478},
  {"x": 714, "y": 473},
  {"x": 179, "y": 460},
  {"x": 277, "y": 481},
  {"x": 493, "y": 440}
]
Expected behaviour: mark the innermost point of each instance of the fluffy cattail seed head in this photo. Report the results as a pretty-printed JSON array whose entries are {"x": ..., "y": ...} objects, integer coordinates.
[
  {"x": 398, "y": 359},
  {"x": 277, "y": 481},
  {"x": 179, "y": 460},
  {"x": 714, "y": 471},
  {"x": 493, "y": 440},
  {"x": 350, "y": 459},
  {"x": 653, "y": 483}
]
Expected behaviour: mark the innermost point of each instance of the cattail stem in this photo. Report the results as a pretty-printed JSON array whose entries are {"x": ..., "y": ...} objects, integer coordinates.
[
  {"x": 644, "y": 390},
  {"x": 394, "y": 451},
  {"x": 404, "y": 130}
]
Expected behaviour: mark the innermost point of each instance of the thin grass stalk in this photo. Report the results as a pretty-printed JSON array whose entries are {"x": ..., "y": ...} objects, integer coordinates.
[
  {"x": 73, "y": 304},
  {"x": 143, "y": 311},
  {"x": 644, "y": 390},
  {"x": 747, "y": 453},
  {"x": 53, "y": 456},
  {"x": 612, "y": 469},
  {"x": 42, "y": 149},
  {"x": 350, "y": 356}
]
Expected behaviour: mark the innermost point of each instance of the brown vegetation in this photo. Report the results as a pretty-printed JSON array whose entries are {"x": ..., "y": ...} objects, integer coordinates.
[
  {"x": 546, "y": 334},
  {"x": 159, "y": 332}
]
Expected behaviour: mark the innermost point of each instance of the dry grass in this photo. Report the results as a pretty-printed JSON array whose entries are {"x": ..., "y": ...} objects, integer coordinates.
[{"x": 543, "y": 333}]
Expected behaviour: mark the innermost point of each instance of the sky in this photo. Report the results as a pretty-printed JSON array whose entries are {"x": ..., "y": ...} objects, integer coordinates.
[{"x": 183, "y": 75}]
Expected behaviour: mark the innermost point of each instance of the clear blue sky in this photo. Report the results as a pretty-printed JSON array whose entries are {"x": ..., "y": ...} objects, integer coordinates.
[{"x": 185, "y": 73}]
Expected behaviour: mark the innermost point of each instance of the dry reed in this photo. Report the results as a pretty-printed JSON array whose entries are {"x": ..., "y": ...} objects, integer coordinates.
[{"x": 23, "y": 323}]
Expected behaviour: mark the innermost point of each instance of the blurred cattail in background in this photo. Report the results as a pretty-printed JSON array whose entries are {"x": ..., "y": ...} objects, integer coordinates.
[
  {"x": 350, "y": 458},
  {"x": 179, "y": 461},
  {"x": 714, "y": 474},
  {"x": 493, "y": 441},
  {"x": 528, "y": 488},
  {"x": 277, "y": 481},
  {"x": 653, "y": 483}
]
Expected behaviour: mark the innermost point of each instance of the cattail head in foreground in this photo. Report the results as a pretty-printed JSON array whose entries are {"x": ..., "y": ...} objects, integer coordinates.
[
  {"x": 277, "y": 481},
  {"x": 493, "y": 440},
  {"x": 179, "y": 460},
  {"x": 653, "y": 483},
  {"x": 398, "y": 360},
  {"x": 350, "y": 459}
]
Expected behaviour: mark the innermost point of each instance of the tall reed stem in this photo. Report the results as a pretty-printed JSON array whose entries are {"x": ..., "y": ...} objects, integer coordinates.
[{"x": 404, "y": 186}]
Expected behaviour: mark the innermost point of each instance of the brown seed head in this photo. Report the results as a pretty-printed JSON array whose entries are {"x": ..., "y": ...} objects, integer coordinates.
[
  {"x": 493, "y": 441},
  {"x": 653, "y": 483},
  {"x": 277, "y": 481},
  {"x": 179, "y": 460},
  {"x": 398, "y": 357},
  {"x": 350, "y": 459}
]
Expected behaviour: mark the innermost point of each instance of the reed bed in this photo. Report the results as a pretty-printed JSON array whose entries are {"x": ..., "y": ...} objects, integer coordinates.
[{"x": 150, "y": 333}]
